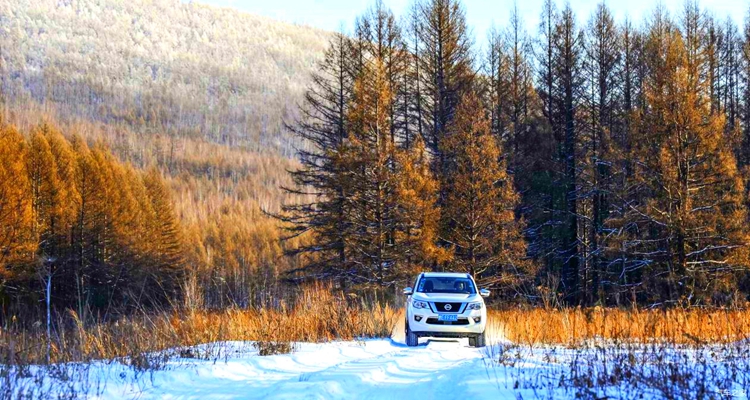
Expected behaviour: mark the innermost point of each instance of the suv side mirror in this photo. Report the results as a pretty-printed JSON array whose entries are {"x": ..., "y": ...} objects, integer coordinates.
[
  {"x": 407, "y": 291},
  {"x": 484, "y": 292}
]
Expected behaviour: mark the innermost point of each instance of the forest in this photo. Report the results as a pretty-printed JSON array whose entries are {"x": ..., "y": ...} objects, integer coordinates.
[
  {"x": 596, "y": 163},
  {"x": 602, "y": 163},
  {"x": 180, "y": 70}
]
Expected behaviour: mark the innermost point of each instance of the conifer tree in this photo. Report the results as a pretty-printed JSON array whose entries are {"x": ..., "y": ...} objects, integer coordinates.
[
  {"x": 417, "y": 213},
  {"x": 566, "y": 98},
  {"x": 601, "y": 106},
  {"x": 323, "y": 211},
  {"x": 16, "y": 241},
  {"x": 541, "y": 184},
  {"x": 382, "y": 39},
  {"x": 694, "y": 210},
  {"x": 619, "y": 268},
  {"x": 510, "y": 89},
  {"x": 368, "y": 162},
  {"x": 485, "y": 237},
  {"x": 744, "y": 156},
  {"x": 45, "y": 188},
  {"x": 164, "y": 235},
  {"x": 445, "y": 61},
  {"x": 496, "y": 70}
]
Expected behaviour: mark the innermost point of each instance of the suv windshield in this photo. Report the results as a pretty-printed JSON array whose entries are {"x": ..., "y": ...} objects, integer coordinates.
[{"x": 445, "y": 284}]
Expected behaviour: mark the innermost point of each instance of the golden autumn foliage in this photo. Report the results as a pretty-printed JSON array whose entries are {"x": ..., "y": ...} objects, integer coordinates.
[
  {"x": 391, "y": 194},
  {"x": 695, "y": 200},
  {"x": 15, "y": 205},
  {"x": 482, "y": 229},
  {"x": 417, "y": 192},
  {"x": 369, "y": 171},
  {"x": 218, "y": 195},
  {"x": 101, "y": 232}
]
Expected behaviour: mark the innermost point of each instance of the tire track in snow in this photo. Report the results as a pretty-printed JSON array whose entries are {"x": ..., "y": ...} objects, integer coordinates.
[{"x": 432, "y": 370}]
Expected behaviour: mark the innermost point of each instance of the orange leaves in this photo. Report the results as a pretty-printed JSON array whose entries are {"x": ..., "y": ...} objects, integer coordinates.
[
  {"x": 687, "y": 163},
  {"x": 95, "y": 224},
  {"x": 479, "y": 210},
  {"x": 419, "y": 215},
  {"x": 16, "y": 242}
]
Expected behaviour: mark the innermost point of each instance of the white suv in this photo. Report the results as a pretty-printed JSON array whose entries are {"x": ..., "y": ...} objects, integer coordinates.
[{"x": 445, "y": 305}]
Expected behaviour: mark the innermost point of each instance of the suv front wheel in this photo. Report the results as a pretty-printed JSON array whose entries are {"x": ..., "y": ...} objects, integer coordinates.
[
  {"x": 477, "y": 341},
  {"x": 411, "y": 338}
]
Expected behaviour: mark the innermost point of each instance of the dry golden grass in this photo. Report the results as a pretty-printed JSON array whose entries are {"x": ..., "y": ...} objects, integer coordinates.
[
  {"x": 574, "y": 326},
  {"x": 645, "y": 356},
  {"x": 317, "y": 316},
  {"x": 320, "y": 315}
]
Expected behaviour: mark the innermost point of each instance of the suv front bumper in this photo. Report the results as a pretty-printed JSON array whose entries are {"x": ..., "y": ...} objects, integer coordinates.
[{"x": 428, "y": 324}]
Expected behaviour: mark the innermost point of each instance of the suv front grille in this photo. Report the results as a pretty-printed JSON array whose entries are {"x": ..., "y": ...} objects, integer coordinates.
[
  {"x": 434, "y": 321},
  {"x": 452, "y": 307}
]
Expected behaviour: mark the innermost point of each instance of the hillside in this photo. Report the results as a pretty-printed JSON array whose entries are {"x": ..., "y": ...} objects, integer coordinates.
[
  {"x": 200, "y": 92},
  {"x": 159, "y": 66}
]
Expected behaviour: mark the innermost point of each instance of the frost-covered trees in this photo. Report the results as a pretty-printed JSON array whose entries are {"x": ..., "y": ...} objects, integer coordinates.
[{"x": 166, "y": 66}]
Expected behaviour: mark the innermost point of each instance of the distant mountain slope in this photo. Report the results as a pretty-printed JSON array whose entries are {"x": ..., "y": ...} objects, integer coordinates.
[{"x": 159, "y": 65}]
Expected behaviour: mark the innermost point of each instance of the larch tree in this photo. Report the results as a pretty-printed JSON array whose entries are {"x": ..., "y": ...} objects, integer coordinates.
[
  {"x": 446, "y": 62},
  {"x": 65, "y": 162},
  {"x": 695, "y": 211},
  {"x": 622, "y": 270},
  {"x": 88, "y": 230},
  {"x": 368, "y": 162},
  {"x": 545, "y": 57},
  {"x": 601, "y": 108},
  {"x": 415, "y": 97},
  {"x": 485, "y": 235},
  {"x": 417, "y": 215},
  {"x": 324, "y": 211},
  {"x": 16, "y": 241},
  {"x": 165, "y": 237},
  {"x": 566, "y": 99},
  {"x": 496, "y": 90},
  {"x": 510, "y": 89},
  {"x": 48, "y": 209},
  {"x": 744, "y": 154},
  {"x": 541, "y": 186},
  {"x": 731, "y": 68},
  {"x": 382, "y": 38}
]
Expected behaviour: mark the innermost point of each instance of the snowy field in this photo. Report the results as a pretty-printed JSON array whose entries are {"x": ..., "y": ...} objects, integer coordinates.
[
  {"x": 373, "y": 369},
  {"x": 388, "y": 369},
  {"x": 437, "y": 369}
]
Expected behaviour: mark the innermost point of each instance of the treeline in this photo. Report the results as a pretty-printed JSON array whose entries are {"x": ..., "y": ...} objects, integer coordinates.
[
  {"x": 88, "y": 231},
  {"x": 232, "y": 251},
  {"x": 600, "y": 164}
]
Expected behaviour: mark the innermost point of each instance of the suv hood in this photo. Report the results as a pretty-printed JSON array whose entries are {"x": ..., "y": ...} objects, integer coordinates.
[{"x": 446, "y": 297}]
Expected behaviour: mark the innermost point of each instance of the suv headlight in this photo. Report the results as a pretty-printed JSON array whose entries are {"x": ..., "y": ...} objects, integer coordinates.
[
  {"x": 475, "y": 306},
  {"x": 419, "y": 304}
]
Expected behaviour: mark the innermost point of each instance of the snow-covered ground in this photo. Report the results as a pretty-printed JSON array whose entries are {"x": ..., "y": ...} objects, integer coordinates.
[
  {"x": 437, "y": 369},
  {"x": 387, "y": 369},
  {"x": 373, "y": 369}
]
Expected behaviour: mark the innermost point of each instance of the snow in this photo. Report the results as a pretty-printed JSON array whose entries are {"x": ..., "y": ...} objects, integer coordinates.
[
  {"x": 372, "y": 369},
  {"x": 369, "y": 369}
]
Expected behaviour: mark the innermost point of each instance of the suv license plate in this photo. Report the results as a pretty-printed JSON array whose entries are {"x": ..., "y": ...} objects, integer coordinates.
[{"x": 447, "y": 317}]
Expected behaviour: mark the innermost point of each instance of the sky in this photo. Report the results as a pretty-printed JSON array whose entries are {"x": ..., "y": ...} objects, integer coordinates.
[{"x": 481, "y": 14}]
